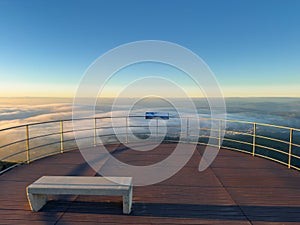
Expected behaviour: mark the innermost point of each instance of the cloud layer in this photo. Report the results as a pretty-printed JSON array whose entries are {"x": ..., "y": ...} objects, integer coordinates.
[{"x": 15, "y": 112}]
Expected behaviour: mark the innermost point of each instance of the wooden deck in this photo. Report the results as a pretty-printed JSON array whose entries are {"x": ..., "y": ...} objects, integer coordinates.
[{"x": 236, "y": 189}]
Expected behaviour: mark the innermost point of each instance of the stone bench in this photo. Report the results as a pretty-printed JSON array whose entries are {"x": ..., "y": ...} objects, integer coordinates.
[{"x": 75, "y": 185}]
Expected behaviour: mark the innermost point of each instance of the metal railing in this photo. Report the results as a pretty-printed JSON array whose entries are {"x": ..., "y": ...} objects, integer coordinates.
[{"x": 26, "y": 143}]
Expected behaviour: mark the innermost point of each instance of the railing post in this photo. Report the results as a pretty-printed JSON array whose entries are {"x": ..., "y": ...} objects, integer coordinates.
[
  {"x": 95, "y": 131},
  {"x": 254, "y": 139},
  {"x": 156, "y": 129},
  {"x": 126, "y": 130},
  {"x": 290, "y": 147},
  {"x": 220, "y": 123},
  {"x": 27, "y": 145},
  {"x": 199, "y": 132},
  {"x": 187, "y": 129},
  {"x": 61, "y": 136}
]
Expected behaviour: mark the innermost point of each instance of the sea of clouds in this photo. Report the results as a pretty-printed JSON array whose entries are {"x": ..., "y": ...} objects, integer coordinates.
[{"x": 20, "y": 111}]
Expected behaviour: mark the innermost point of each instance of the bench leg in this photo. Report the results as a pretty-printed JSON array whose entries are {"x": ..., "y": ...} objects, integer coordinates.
[
  {"x": 36, "y": 201},
  {"x": 127, "y": 202}
]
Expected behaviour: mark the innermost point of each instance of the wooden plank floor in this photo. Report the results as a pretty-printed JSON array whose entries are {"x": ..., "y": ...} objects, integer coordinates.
[{"x": 236, "y": 189}]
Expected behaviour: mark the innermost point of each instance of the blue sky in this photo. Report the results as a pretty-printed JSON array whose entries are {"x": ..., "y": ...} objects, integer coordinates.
[{"x": 253, "y": 47}]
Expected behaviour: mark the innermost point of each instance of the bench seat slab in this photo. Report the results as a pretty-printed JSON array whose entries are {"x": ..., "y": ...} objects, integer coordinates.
[{"x": 75, "y": 185}]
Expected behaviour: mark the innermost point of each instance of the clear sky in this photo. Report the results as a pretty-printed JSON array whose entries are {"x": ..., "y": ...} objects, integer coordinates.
[{"x": 253, "y": 47}]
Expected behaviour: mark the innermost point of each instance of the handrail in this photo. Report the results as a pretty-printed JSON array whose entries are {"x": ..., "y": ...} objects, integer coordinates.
[{"x": 251, "y": 139}]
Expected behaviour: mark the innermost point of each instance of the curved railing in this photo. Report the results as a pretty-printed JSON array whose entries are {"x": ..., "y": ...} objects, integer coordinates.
[{"x": 26, "y": 143}]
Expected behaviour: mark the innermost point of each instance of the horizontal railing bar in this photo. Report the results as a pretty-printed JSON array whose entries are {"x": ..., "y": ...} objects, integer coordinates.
[
  {"x": 12, "y": 143},
  {"x": 44, "y": 145},
  {"x": 70, "y": 149},
  {"x": 295, "y": 156},
  {"x": 271, "y": 149},
  {"x": 263, "y": 124},
  {"x": 237, "y": 149},
  {"x": 11, "y": 167},
  {"x": 296, "y": 145},
  {"x": 58, "y": 142},
  {"x": 12, "y": 155},
  {"x": 68, "y": 131},
  {"x": 238, "y": 121},
  {"x": 273, "y": 139},
  {"x": 68, "y": 140},
  {"x": 237, "y": 141},
  {"x": 295, "y": 167},
  {"x": 43, "y": 135},
  {"x": 85, "y": 129},
  {"x": 270, "y": 158},
  {"x": 275, "y": 126}
]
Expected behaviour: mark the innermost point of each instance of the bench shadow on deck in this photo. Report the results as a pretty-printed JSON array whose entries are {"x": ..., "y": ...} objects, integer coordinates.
[{"x": 236, "y": 189}]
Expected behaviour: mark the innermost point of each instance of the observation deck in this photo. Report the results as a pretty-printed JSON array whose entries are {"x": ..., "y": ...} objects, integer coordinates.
[{"x": 236, "y": 188}]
